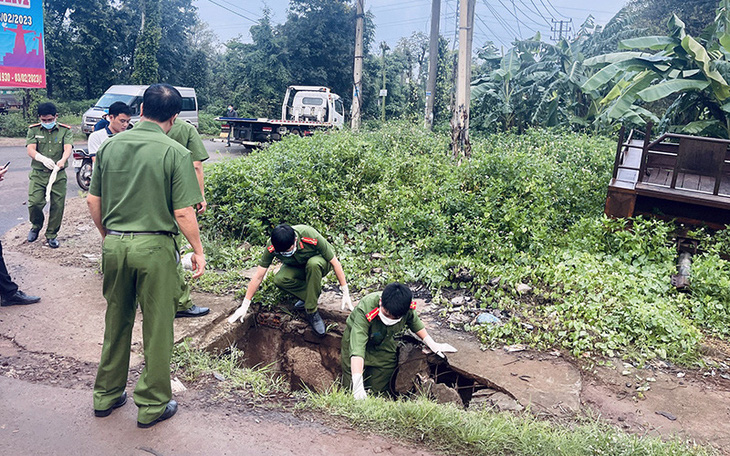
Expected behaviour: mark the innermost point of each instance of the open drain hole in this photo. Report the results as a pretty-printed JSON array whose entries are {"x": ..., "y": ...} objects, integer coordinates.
[{"x": 288, "y": 345}]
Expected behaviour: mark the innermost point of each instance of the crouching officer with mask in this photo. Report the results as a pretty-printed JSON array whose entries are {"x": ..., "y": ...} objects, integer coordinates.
[
  {"x": 368, "y": 351},
  {"x": 306, "y": 257},
  {"x": 49, "y": 144}
]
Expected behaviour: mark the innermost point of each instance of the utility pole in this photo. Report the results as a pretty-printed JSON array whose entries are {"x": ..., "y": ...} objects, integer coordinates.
[
  {"x": 562, "y": 25},
  {"x": 357, "y": 73},
  {"x": 433, "y": 59},
  {"x": 383, "y": 90},
  {"x": 460, "y": 122}
]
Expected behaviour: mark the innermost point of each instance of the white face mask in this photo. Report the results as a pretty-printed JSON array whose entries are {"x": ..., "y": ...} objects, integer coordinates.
[
  {"x": 289, "y": 253},
  {"x": 387, "y": 321}
]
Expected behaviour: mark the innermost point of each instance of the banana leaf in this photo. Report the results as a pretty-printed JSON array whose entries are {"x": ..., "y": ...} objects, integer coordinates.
[
  {"x": 700, "y": 56},
  {"x": 655, "y": 43},
  {"x": 623, "y": 104},
  {"x": 666, "y": 88}
]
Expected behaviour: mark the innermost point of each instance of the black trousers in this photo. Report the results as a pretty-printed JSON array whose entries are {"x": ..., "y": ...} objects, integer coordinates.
[{"x": 7, "y": 286}]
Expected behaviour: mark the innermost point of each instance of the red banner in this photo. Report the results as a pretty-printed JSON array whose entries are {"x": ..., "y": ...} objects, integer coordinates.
[
  {"x": 22, "y": 60},
  {"x": 22, "y": 77}
]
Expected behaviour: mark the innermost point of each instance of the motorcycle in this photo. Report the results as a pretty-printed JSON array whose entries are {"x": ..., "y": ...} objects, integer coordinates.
[{"x": 83, "y": 165}]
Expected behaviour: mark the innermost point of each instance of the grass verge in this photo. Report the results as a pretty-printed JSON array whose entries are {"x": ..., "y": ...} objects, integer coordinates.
[
  {"x": 451, "y": 430},
  {"x": 191, "y": 364}
]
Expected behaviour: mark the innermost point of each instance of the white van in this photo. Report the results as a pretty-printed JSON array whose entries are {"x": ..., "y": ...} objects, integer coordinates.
[{"x": 132, "y": 96}]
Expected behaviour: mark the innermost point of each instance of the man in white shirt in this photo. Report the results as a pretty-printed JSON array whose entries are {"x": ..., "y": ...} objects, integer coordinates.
[{"x": 118, "y": 117}]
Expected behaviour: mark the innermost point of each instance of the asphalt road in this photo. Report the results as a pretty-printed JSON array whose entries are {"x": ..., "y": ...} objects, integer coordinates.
[{"x": 14, "y": 188}]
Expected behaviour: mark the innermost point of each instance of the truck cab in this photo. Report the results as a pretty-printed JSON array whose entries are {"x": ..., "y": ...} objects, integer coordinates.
[{"x": 313, "y": 104}]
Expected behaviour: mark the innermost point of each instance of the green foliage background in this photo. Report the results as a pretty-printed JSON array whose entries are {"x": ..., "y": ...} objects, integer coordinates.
[{"x": 525, "y": 208}]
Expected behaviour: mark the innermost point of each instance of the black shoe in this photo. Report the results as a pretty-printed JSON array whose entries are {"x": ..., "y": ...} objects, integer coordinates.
[
  {"x": 32, "y": 234},
  {"x": 18, "y": 298},
  {"x": 170, "y": 410},
  {"x": 53, "y": 243},
  {"x": 299, "y": 305},
  {"x": 121, "y": 401},
  {"x": 316, "y": 322},
  {"x": 194, "y": 311}
]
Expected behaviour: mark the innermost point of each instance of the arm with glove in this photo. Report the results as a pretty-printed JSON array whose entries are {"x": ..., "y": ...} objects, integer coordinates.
[
  {"x": 434, "y": 346},
  {"x": 340, "y": 274},
  {"x": 253, "y": 287},
  {"x": 39, "y": 157}
]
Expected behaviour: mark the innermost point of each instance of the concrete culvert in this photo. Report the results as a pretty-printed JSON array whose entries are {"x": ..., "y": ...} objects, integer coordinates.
[{"x": 285, "y": 342}]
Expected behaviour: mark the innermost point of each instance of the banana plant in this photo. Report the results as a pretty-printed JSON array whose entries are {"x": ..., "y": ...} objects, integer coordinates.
[{"x": 691, "y": 75}]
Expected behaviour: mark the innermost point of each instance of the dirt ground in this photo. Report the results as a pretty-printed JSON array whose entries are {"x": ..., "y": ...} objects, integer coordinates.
[{"x": 54, "y": 346}]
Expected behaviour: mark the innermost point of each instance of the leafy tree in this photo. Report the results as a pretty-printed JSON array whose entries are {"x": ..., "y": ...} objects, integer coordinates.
[
  {"x": 650, "y": 16},
  {"x": 319, "y": 45},
  {"x": 148, "y": 43}
]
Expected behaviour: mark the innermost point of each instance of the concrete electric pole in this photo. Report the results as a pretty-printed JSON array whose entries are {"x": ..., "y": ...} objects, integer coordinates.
[
  {"x": 433, "y": 59},
  {"x": 357, "y": 73},
  {"x": 383, "y": 90},
  {"x": 460, "y": 122}
]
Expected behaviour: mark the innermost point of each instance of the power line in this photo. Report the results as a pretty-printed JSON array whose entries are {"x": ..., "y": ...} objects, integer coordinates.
[
  {"x": 255, "y": 21},
  {"x": 502, "y": 22},
  {"x": 238, "y": 7},
  {"x": 517, "y": 19},
  {"x": 537, "y": 11},
  {"x": 559, "y": 13}
]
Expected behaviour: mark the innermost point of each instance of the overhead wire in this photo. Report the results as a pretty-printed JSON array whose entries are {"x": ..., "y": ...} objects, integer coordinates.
[
  {"x": 559, "y": 13},
  {"x": 508, "y": 28},
  {"x": 255, "y": 21}
]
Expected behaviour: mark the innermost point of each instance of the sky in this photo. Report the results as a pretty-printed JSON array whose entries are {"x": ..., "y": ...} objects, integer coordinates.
[{"x": 499, "y": 21}]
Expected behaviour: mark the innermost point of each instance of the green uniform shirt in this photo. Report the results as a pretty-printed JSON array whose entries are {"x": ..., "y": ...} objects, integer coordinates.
[
  {"x": 48, "y": 142},
  {"x": 136, "y": 164},
  {"x": 309, "y": 243},
  {"x": 373, "y": 340},
  {"x": 186, "y": 134}
]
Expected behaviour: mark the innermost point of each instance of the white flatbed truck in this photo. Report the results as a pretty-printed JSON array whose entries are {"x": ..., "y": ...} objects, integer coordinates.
[{"x": 305, "y": 109}]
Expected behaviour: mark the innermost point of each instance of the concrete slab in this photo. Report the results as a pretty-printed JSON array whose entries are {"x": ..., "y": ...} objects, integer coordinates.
[{"x": 543, "y": 383}]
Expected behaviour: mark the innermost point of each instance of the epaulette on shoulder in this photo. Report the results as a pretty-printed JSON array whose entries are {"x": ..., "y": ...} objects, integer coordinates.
[
  {"x": 34, "y": 125},
  {"x": 372, "y": 314},
  {"x": 65, "y": 126},
  {"x": 271, "y": 249},
  {"x": 413, "y": 305},
  {"x": 309, "y": 241}
]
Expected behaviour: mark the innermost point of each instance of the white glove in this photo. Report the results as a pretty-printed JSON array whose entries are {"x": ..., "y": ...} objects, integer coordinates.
[
  {"x": 47, "y": 162},
  {"x": 240, "y": 313},
  {"x": 358, "y": 387},
  {"x": 346, "y": 301},
  {"x": 437, "y": 348}
]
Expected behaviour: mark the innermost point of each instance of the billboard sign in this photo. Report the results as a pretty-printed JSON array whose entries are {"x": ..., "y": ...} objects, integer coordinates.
[{"x": 22, "y": 60}]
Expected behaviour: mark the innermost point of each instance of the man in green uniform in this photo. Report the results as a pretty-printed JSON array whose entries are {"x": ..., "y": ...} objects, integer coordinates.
[
  {"x": 368, "y": 351},
  {"x": 306, "y": 257},
  {"x": 49, "y": 144},
  {"x": 186, "y": 134},
  {"x": 143, "y": 189}
]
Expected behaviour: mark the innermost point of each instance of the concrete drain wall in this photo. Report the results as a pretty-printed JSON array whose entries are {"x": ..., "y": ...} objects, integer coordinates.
[{"x": 292, "y": 349}]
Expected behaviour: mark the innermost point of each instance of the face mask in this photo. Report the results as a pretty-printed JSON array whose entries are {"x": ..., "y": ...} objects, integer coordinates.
[
  {"x": 49, "y": 125},
  {"x": 387, "y": 321},
  {"x": 289, "y": 253}
]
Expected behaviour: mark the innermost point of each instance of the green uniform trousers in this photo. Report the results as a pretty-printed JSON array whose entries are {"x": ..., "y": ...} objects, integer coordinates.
[
  {"x": 138, "y": 269},
  {"x": 304, "y": 282},
  {"x": 375, "y": 378},
  {"x": 37, "y": 200},
  {"x": 186, "y": 301}
]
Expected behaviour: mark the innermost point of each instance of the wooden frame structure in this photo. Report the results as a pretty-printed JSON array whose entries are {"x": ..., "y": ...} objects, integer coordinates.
[{"x": 680, "y": 177}]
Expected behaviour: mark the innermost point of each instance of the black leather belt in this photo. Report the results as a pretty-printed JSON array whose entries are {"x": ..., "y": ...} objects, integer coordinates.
[{"x": 137, "y": 233}]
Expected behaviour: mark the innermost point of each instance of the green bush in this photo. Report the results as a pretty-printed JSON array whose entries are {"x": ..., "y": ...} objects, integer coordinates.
[
  {"x": 207, "y": 124},
  {"x": 13, "y": 125},
  {"x": 524, "y": 209}
]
